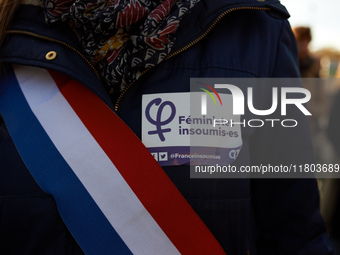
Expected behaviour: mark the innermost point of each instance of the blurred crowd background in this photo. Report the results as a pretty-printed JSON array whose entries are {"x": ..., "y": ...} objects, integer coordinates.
[{"x": 316, "y": 28}]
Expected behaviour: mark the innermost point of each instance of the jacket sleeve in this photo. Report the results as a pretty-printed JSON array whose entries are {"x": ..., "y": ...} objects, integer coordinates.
[{"x": 287, "y": 210}]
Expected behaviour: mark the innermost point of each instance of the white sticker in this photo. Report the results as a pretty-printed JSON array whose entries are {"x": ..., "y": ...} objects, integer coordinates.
[{"x": 176, "y": 132}]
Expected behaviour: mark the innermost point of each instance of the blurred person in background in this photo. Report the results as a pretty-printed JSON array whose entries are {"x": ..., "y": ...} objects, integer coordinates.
[
  {"x": 319, "y": 106},
  {"x": 333, "y": 132},
  {"x": 310, "y": 68}
]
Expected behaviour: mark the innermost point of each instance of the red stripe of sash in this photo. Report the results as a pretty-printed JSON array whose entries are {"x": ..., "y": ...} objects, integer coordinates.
[{"x": 143, "y": 174}]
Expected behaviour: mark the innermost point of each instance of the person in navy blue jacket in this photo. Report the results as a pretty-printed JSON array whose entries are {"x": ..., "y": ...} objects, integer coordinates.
[{"x": 250, "y": 39}]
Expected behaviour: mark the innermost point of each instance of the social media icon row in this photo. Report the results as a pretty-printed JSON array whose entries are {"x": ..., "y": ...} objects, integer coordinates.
[{"x": 160, "y": 156}]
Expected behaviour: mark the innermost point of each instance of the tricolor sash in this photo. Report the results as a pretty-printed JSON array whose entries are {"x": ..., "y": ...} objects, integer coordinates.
[{"x": 110, "y": 192}]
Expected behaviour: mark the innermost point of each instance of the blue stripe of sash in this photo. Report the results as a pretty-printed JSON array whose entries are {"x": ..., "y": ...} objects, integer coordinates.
[{"x": 80, "y": 213}]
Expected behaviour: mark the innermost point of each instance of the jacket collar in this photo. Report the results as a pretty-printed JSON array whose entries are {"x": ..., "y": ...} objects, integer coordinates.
[
  {"x": 206, "y": 12},
  {"x": 30, "y": 18},
  {"x": 211, "y": 8}
]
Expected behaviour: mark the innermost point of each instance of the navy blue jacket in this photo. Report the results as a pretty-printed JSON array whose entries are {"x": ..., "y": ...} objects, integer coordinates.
[{"x": 220, "y": 39}]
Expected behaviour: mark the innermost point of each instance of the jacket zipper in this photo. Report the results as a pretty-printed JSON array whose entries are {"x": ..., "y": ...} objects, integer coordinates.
[
  {"x": 59, "y": 42},
  {"x": 203, "y": 35}
]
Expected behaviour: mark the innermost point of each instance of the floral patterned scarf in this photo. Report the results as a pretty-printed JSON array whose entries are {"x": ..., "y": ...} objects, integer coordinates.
[{"x": 122, "y": 37}]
